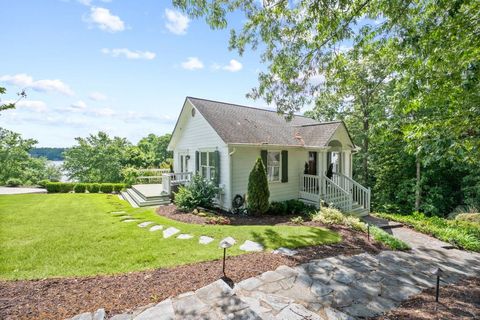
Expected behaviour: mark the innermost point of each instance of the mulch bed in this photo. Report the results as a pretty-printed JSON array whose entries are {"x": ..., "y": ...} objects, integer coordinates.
[
  {"x": 457, "y": 301},
  {"x": 173, "y": 213},
  {"x": 59, "y": 298}
]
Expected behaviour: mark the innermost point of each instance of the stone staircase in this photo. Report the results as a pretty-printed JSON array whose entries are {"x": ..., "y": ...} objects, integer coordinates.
[{"x": 146, "y": 195}]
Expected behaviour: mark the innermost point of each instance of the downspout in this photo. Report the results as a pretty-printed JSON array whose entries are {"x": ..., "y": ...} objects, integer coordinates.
[{"x": 231, "y": 175}]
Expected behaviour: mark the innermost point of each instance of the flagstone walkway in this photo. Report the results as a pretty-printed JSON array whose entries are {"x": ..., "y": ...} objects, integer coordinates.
[{"x": 342, "y": 287}]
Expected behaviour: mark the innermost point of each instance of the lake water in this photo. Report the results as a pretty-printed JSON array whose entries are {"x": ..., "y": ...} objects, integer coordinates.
[{"x": 64, "y": 174}]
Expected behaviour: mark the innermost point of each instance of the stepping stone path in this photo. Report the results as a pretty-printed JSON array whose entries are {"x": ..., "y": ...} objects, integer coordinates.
[
  {"x": 205, "y": 240},
  {"x": 340, "y": 287},
  {"x": 170, "y": 232},
  {"x": 285, "y": 251},
  {"x": 155, "y": 228},
  {"x": 129, "y": 220},
  {"x": 145, "y": 224},
  {"x": 185, "y": 236},
  {"x": 251, "y": 246},
  {"x": 117, "y": 212}
]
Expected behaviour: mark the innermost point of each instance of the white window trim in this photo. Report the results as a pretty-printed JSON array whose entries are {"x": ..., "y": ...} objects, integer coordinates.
[
  {"x": 207, "y": 167},
  {"x": 279, "y": 167}
]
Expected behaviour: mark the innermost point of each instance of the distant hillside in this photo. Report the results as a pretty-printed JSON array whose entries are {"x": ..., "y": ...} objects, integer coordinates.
[{"x": 54, "y": 154}]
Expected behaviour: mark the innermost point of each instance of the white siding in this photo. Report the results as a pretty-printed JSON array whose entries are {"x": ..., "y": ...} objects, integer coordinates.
[
  {"x": 244, "y": 158},
  {"x": 196, "y": 134}
]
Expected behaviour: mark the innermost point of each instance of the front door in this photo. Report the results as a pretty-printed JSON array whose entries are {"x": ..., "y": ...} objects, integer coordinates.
[{"x": 312, "y": 163}]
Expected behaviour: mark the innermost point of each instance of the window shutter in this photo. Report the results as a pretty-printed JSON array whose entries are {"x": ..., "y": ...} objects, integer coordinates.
[
  {"x": 263, "y": 155},
  {"x": 197, "y": 161},
  {"x": 284, "y": 166},
  {"x": 217, "y": 167}
]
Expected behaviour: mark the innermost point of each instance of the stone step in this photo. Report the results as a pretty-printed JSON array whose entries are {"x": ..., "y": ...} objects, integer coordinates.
[
  {"x": 141, "y": 202},
  {"x": 129, "y": 199},
  {"x": 149, "y": 197}
]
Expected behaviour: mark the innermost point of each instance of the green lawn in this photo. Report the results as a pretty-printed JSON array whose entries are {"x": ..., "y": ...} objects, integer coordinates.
[{"x": 52, "y": 235}]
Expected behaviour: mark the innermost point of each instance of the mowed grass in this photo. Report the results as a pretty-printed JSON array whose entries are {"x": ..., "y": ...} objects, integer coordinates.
[{"x": 59, "y": 235}]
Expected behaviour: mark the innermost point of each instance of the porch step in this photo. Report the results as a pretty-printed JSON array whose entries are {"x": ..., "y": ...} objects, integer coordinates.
[
  {"x": 149, "y": 192},
  {"x": 135, "y": 198},
  {"x": 129, "y": 199}
]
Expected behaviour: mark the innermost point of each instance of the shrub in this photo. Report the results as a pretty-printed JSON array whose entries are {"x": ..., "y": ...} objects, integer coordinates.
[
  {"x": 43, "y": 183},
  {"x": 130, "y": 175},
  {"x": 331, "y": 216},
  {"x": 59, "y": 187},
  {"x": 106, "y": 187},
  {"x": 80, "y": 188},
  {"x": 278, "y": 208},
  {"x": 117, "y": 187},
  {"x": 13, "y": 182},
  {"x": 257, "y": 192},
  {"x": 93, "y": 187},
  {"x": 295, "y": 206},
  {"x": 198, "y": 193},
  {"x": 469, "y": 217},
  {"x": 297, "y": 220}
]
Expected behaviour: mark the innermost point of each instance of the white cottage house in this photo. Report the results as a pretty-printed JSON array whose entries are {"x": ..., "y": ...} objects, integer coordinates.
[{"x": 221, "y": 141}]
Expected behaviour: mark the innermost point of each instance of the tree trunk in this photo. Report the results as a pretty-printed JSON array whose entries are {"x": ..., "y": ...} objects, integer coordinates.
[
  {"x": 417, "y": 185},
  {"x": 366, "y": 127}
]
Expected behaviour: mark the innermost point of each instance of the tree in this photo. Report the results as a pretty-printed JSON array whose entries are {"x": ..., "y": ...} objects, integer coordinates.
[
  {"x": 11, "y": 105},
  {"x": 16, "y": 162},
  {"x": 257, "y": 191},
  {"x": 97, "y": 158},
  {"x": 425, "y": 51},
  {"x": 154, "y": 149}
]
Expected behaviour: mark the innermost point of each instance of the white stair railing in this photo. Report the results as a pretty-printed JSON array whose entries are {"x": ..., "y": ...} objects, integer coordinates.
[
  {"x": 360, "y": 194},
  {"x": 335, "y": 195},
  {"x": 310, "y": 187}
]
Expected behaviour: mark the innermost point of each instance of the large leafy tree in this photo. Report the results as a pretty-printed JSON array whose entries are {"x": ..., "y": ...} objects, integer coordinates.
[
  {"x": 10, "y": 105},
  {"x": 16, "y": 162},
  {"x": 426, "y": 52},
  {"x": 97, "y": 158},
  {"x": 154, "y": 149}
]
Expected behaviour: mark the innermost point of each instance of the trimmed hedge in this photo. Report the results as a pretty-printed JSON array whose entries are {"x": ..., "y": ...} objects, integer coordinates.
[
  {"x": 80, "y": 188},
  {"x": 66, "y": 187}
]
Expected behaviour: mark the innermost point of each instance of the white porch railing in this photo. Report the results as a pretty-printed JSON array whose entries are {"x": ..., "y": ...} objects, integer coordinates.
[
  {"x": 360, "y": 194},
  {"x": 175, "y": 178},
  {"x": 310, "y": 187}
]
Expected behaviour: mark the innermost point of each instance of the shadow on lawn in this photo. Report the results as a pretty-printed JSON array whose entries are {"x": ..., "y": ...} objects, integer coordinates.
[{"x": 273, "y": 239}]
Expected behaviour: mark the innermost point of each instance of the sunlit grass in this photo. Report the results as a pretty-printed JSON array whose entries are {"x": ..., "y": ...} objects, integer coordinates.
[{"x": 51, "y": 235}]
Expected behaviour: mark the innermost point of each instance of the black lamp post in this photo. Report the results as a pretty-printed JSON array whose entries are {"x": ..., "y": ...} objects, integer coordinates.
[
  {"x": 225, "y": 244},
  {"x": 438, "y": 272}
]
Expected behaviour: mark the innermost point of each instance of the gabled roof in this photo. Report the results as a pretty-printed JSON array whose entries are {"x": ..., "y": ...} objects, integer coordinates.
[{"x": 237, "y": 124}]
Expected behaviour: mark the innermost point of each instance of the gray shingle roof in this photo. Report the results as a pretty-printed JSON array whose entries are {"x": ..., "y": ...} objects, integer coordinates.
[{"x": 247, "y": 125}]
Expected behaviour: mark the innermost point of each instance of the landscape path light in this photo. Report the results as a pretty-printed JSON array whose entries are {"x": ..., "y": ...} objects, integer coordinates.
[
  {"x": 438, "y": 272},
  {"x": 225, "y": 244}
]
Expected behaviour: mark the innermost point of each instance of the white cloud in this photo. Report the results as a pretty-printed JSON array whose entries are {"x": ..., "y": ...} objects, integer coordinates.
[
  {"x": 192, "y": 63},
  {"x": 80, "y": 105},
  {"x": 45, "y": 85},
  {"x": 35, "y": 105},
  {"x": 233, "y": 66},
  {"x": 129, "y": 54},
  {"x": 104, "y": 112},
  {"x": 177, "y": 22},
  {"x": 85, "y": 2},
  {"x": 97, "y": 96},
  {"x": 105, "y": 20}
]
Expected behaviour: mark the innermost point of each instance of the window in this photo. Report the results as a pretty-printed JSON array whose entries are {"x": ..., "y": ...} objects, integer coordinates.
[
  {"x": 207, "y": 165},
  {"x": 273, "y": 166}
]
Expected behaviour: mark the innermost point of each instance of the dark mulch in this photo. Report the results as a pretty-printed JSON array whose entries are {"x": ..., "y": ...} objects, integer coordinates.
[
  {"x": 457, "y": 301},
  {"x": 66, "y": 297},
  {"x": 173, "y": 213}
]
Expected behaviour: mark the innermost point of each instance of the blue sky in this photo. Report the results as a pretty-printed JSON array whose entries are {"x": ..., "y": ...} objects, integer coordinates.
[{"x": 124, "y": 67}]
